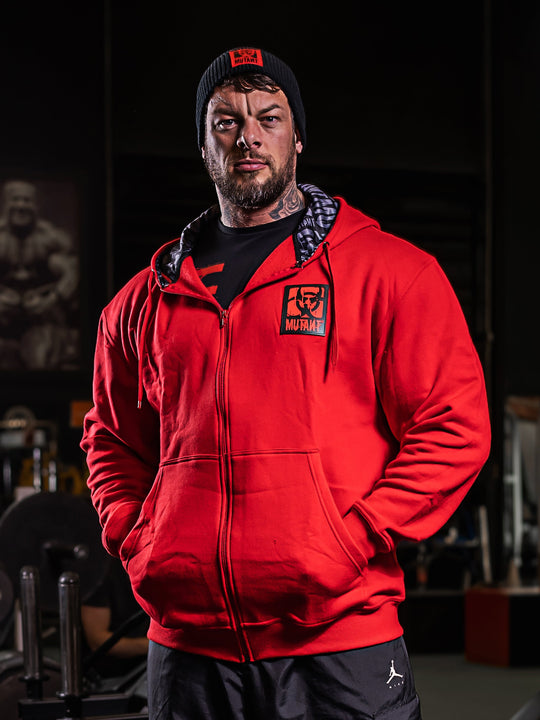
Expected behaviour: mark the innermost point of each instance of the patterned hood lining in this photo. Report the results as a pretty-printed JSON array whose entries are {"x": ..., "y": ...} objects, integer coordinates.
[
  {"x": 316, "y": 223},
  {"x": 314, "y": 227}
]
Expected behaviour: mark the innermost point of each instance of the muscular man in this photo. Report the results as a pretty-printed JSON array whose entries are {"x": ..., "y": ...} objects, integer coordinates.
[
  {"x": 309, "y": 396},
  {"x": 39, "y": 278}
]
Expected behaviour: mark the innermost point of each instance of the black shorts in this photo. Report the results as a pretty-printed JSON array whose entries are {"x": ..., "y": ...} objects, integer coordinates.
[{"x": 369, "y": 683}]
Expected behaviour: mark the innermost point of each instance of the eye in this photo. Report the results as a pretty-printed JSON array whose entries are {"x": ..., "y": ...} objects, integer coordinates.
[{"x": 225, "y": 123}]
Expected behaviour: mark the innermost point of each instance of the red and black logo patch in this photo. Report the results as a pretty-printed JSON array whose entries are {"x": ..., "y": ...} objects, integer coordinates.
[
  {"x": 304, "y": 310},
  {"x": 245, "y": 56}
]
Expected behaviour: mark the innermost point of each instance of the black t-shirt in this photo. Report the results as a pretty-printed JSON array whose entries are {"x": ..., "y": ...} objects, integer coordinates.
[{"x": 226, "y": 258}]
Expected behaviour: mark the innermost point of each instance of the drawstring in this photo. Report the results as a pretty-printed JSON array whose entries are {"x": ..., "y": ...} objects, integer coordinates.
[
  {"x": 142, "y": 339},
  {"x": 334, "y": 338}
]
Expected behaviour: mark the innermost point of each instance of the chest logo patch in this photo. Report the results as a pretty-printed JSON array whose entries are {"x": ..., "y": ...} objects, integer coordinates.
[{"x": 304, "y": 310}]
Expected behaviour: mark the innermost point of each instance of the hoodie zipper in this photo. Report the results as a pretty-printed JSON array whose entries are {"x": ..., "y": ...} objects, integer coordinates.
[{"x": 225, "y": 564}]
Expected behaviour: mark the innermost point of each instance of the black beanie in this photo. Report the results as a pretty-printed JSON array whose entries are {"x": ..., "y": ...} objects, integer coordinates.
[{"x": 249, "y": 60}]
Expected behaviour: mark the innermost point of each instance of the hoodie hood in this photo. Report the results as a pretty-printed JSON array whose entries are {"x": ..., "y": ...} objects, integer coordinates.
[{"x": 315, "y": 225}]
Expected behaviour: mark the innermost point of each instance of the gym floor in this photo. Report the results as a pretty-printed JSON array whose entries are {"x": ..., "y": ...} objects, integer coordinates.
[{"x": 452, "y": 688}]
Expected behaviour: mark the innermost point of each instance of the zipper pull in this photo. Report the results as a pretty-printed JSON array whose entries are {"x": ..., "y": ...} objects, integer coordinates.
[{"x": 223, "y": 317}]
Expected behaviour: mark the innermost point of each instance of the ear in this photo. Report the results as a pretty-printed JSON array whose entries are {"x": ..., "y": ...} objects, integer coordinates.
[
  {"x": 202, "y": 152},
  {"x": 298, "y": 143}
]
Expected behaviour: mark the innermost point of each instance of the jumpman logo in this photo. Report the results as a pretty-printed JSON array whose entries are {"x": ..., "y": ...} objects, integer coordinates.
[{"x": 393, "y": 673}]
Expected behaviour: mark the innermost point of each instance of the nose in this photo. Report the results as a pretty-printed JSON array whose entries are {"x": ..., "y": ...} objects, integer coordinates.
[{"x": 248, "y": 137}]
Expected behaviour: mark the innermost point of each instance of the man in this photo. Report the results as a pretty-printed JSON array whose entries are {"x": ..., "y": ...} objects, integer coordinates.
[
  {"x": 308, "y": 396},
  {"x": 39, "y": 278}
]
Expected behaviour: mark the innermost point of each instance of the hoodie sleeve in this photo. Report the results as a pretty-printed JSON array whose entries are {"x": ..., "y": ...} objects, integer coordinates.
[
  {"x": 121, "y": 442},
  {"x": 432, "y": 390}
]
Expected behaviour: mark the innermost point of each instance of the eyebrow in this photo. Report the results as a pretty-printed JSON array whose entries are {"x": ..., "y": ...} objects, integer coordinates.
[{"x": 223, "y": 107}]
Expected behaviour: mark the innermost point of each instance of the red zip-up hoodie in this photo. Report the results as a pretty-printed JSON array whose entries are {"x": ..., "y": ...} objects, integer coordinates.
[{"x": 284, "y": 446}]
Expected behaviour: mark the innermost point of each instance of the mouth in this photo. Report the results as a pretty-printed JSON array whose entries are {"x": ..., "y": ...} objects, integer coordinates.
[
  {"x": 20, "y": 215},
  {"x": 249, "y": 165}
]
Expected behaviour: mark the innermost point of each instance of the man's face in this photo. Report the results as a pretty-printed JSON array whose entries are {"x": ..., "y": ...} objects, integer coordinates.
[
  {"x": 20, "y": 204},
  {"x": 250, "y": 146}
]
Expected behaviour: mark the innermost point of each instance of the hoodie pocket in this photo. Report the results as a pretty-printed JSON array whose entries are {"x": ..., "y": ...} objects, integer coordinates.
[
  {"x": 291, "y": 553},
  {"x": 173, "y": 547},
  {"x": 140, "y": 536}
]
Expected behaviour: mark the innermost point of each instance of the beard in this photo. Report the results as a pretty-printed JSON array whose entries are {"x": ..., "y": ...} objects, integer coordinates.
[{"x": 247, "y": 192}]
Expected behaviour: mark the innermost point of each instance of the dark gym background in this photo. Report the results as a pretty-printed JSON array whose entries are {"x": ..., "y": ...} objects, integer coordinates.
[{"x": 424, "y": 115}]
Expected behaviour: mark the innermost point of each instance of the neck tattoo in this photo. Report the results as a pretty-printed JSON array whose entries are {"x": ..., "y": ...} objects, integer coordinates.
[{"x": 288, "y": 204}]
